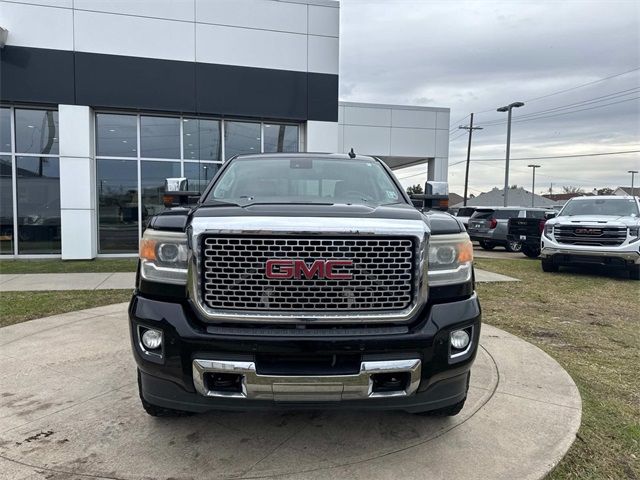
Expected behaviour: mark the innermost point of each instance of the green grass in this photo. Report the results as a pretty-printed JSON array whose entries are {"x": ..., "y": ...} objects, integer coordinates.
[
  {"x": 589, "y": 322},
  {"x": 16, "y": 307},
  {"x": 68, "y": 266}
]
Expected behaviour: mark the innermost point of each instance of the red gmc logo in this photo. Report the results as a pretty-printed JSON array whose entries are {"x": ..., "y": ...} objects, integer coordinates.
[
  {"x": 588, "y": 231},
  {"x": 321, "y": 269}
]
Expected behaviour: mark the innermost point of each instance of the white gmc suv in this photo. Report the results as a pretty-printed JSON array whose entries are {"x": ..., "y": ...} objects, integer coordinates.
[{"x": 599, "y": 230}]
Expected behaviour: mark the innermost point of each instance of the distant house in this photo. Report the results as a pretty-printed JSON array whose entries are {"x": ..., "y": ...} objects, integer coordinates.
[
  {"x": 454, "y": 198},
  {"x": 622, "y": 191},
  {"x": 518, "y": 197},
  {"x": 561, "y": 198}
]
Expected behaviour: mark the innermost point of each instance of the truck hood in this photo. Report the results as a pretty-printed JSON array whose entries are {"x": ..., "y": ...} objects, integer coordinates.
[
  {"x": 438, "y": 222},
  {"x": 396, "y": 212},
  {"x": 611, "y": 220}
]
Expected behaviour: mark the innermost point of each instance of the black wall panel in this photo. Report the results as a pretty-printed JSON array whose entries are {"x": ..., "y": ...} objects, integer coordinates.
[
  {"x": 36, "y": 75},
  {"x": 133, "y": 82}
]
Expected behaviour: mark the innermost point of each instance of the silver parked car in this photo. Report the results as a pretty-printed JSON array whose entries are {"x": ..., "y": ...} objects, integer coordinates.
[{"x": 489, "y": 225}]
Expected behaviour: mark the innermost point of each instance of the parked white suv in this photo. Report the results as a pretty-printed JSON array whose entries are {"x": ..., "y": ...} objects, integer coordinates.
[{"x": 599, "y": 230}]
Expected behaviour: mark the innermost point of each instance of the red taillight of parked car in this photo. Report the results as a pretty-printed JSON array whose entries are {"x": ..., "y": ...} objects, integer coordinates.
[
  {"x": 541, "y": 226},
  {"x": 493, "y": 223}
]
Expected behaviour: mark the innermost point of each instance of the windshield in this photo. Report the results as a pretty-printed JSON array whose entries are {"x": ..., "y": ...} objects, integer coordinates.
[
  {"x": 625, "y": 207},
  {"x": 304, "y": 180}
]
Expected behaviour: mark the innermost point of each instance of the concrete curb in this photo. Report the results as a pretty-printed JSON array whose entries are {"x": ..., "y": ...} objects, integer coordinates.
[{"x": 72, "y": 412}]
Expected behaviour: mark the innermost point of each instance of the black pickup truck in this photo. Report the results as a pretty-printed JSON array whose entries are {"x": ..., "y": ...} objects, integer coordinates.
[
  {"x": 304, "y": 281},
  {"x": 528, "y": 231}
]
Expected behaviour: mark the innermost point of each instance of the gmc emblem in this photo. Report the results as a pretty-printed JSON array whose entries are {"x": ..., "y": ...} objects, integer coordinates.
[
  {"x": 588, "y": 231},
  {"x": 321, "y": 269}
]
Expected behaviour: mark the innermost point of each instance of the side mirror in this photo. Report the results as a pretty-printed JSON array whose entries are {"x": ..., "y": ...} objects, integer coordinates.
[
  {"x": 436, "y": 196},
  {"x": 550, "y": 215},
  {"x": 177, "y": 193}
]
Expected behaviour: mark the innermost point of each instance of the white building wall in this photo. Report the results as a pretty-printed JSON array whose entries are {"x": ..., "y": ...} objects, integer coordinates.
[
  {"x": 397, "y": 131},
  {"x": 292, "y": 35}
]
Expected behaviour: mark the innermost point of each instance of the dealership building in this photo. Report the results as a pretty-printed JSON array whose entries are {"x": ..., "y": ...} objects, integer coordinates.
[{"x": 101, "y": 100}]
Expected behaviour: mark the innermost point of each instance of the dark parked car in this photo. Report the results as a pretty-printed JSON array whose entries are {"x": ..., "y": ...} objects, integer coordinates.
[
  {"x": 528, "y": 231},
  {"x": 488, "y": 225},
  {"x": 464, "y": 214}
]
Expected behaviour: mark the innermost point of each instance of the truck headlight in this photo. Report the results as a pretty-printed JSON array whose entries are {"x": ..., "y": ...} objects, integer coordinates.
[
  {"x": 634, "y": 234},
  {"x": 450, "y": 259},
  {"x": 548, "y": 230},
  {"x": 163, "y": 257}
]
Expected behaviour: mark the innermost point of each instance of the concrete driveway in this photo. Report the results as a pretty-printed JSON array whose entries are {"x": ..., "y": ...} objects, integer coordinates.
[{"x": 69, "y": 409}]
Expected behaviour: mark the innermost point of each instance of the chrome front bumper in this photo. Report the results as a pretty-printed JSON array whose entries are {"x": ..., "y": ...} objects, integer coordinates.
[
  {"x": 628, "y": 256},
  {"x": 295, "y": 388}
]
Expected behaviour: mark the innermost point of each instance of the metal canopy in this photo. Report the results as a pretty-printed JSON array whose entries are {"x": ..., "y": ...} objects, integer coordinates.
[{"x": 396, "y": 163}]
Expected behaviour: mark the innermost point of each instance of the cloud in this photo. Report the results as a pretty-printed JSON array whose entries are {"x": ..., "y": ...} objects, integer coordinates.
[{"x": 478, "y": 55}]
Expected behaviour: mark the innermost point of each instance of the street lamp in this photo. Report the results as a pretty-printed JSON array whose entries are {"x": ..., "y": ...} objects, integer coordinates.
[
  {"x": 633, "y": 173},
  {"x": 508, "y": 108},
  {"x": 533, "y": 184}
]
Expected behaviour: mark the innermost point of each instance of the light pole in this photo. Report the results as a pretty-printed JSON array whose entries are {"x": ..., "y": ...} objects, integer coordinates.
[
  {"x": 633, "y": 173},
  {"x": 533, "y": 184},
  {"x": 508, "y": 108}
]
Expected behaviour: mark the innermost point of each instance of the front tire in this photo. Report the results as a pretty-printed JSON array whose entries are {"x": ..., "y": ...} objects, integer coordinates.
[
  {"x": 450, "y": 411},
  {"x": 634, "y": 272},
  {"x": 531, "y": 252},
  {"x": 486, "y": 245},
  {"x": 549, "y": 266},
  {"x": 157, "y": 411},
  {"x": 513, "y": 247}
]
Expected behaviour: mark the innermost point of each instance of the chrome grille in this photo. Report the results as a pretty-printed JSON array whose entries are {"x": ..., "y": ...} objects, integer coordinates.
[
  {"x": 233, "y": 274},
  {"x": 590, "y": 235}
]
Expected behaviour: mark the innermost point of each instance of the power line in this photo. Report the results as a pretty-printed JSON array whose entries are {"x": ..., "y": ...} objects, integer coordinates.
[
  {"x": 548, "y": 158},
  {"x": 570, "y": 180},
  {"x": 457, "y": 121},
  {"x": 583, "y": 85},
  {"x": 518, "y": 120},
  {"x": 602, "y": 98},
  {"x": 571, "y": 88},
  {"x": 463, "y": 134}
]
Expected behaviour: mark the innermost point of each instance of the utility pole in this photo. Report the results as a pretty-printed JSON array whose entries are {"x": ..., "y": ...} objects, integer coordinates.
[
  {"x": 533, "y": 184},
  {"x": 508, "y": 108},
  {"x": 471, "y": 128},
  {"x": 633, "y": 173}
]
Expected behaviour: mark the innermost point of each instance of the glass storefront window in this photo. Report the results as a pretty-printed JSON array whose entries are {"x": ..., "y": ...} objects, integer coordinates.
[
  {"x": 6, "y": 205},
  {"x": 36, "y": 131},
  {"x": 5, "y": 130},
  {"x": 160, "y": 147},
  {"x": 152, "y": 179},
  {"x": 201, "y": 139},
  {"x": 241, "y": 137},
  {"x": 159, "y": 137},
  {"x": 199, "y": 174},
  {"x": 38, "y": 194},
  {"x": 117, "y": 183},
  {"x": 116, "y": 135},
  {"x": 280, "y": 138}
]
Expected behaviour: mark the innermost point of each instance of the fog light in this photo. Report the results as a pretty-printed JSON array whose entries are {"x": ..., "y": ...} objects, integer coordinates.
[
  {"x": 152, "y": 339},
  {"x": 459, "y": 339}
]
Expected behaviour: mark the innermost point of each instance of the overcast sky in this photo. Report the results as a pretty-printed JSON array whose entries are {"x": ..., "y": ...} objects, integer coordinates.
[{"x": 476, "y": 56}]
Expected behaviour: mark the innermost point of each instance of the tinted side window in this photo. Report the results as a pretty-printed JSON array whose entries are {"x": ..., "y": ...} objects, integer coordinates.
[
  {"x": 535, "y": 214},
  {"x": 506, "y": 214},
  {"x": 482, "y": 214}
]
